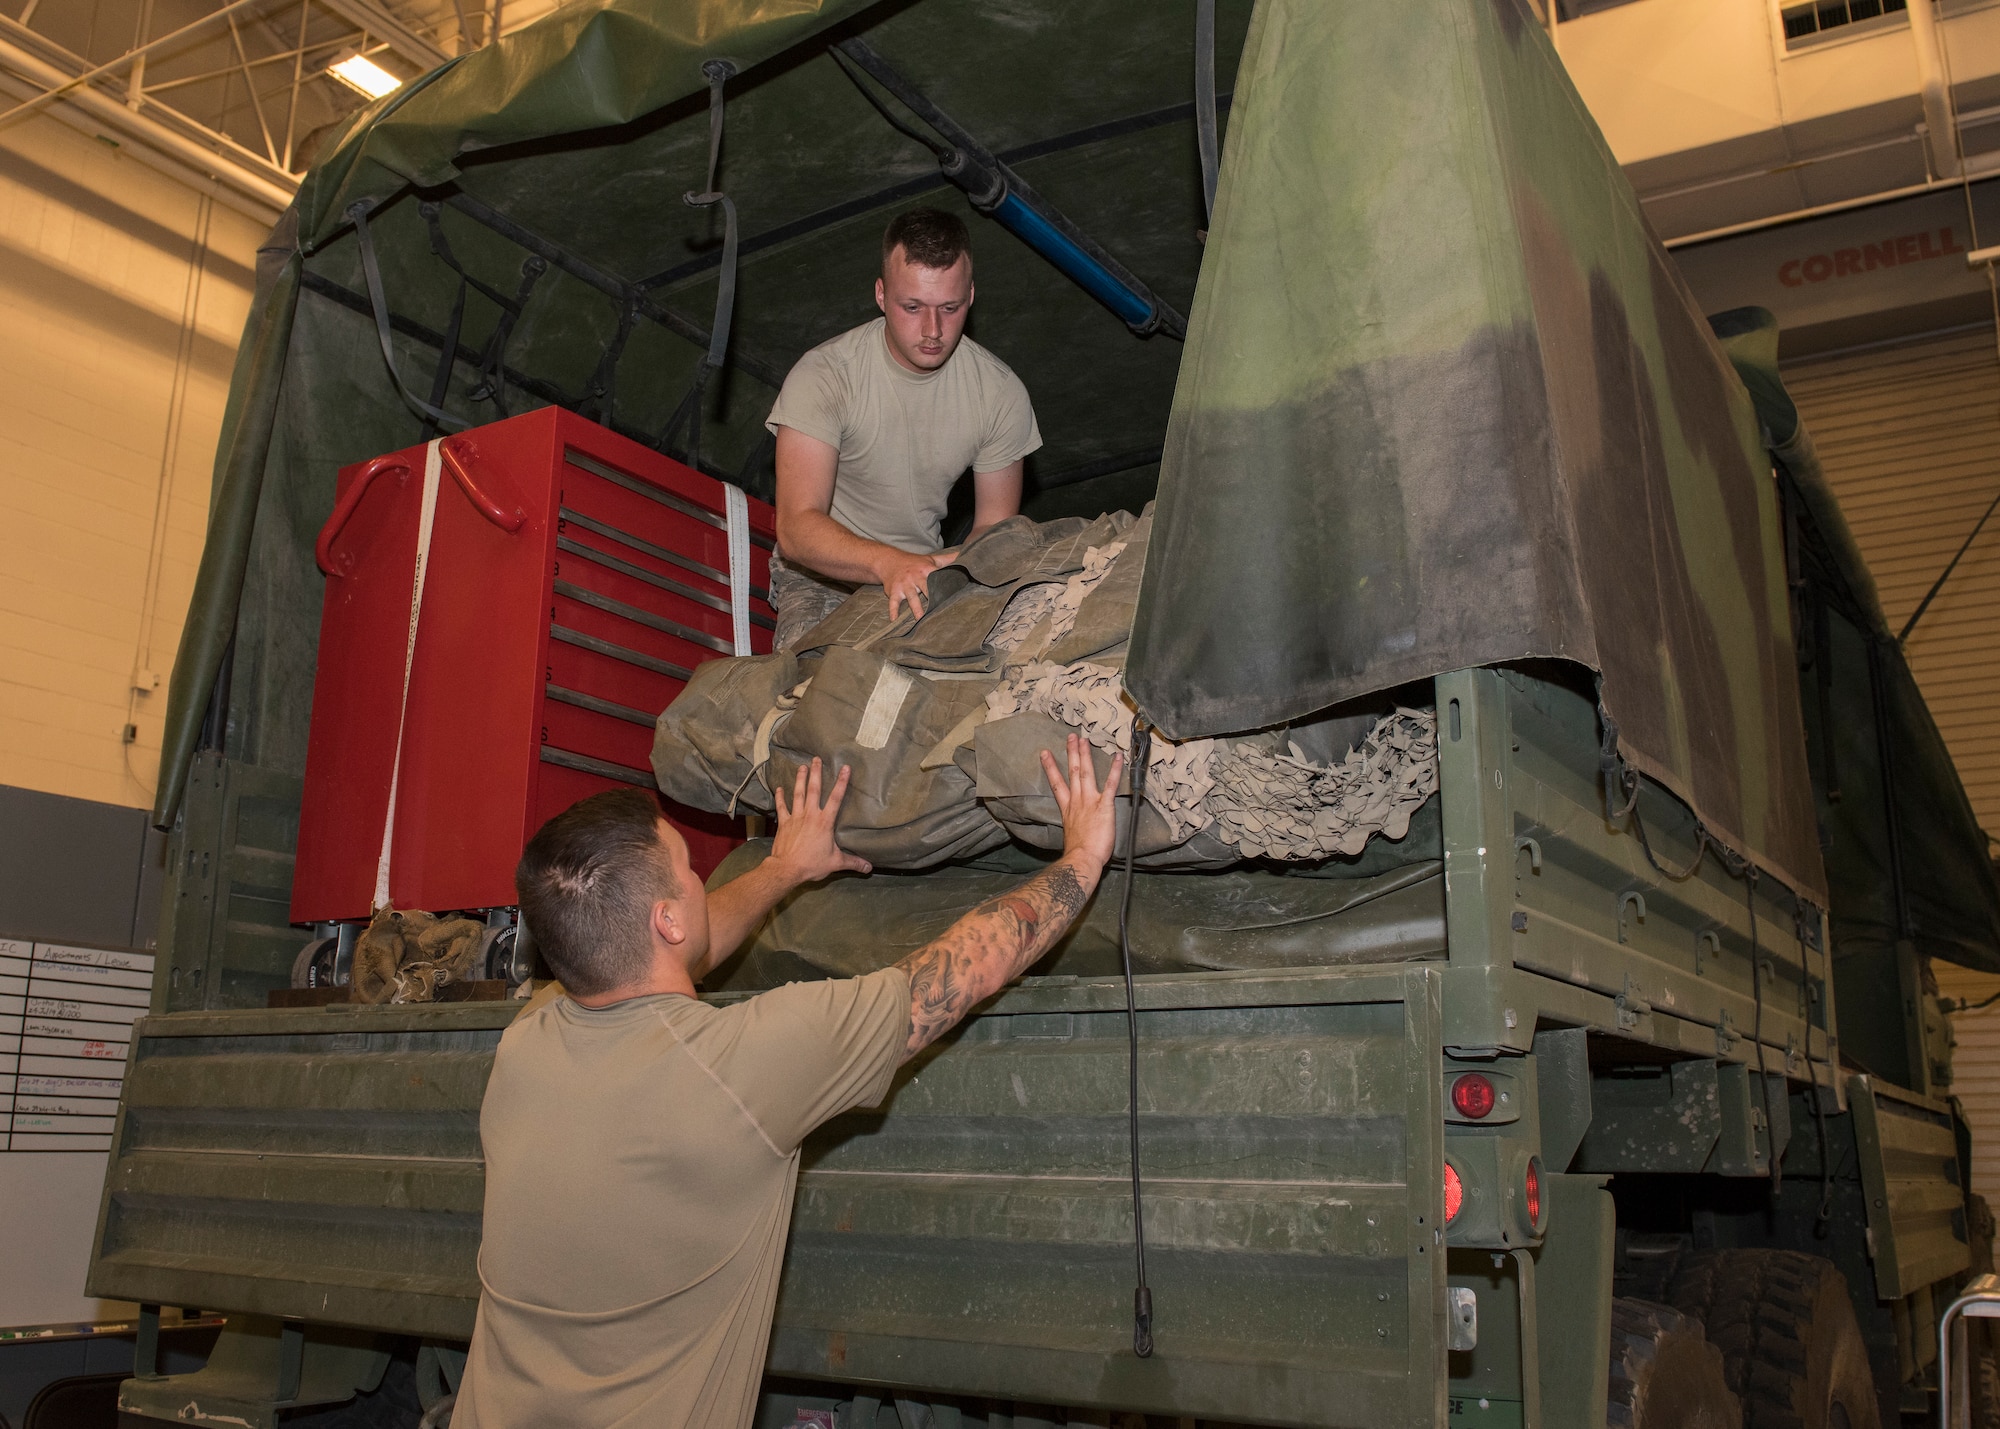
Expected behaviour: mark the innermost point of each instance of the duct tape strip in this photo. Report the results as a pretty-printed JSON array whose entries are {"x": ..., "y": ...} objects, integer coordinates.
[
  {"x": 433, "y": 469},
  {"x": 885, "y": 702},
  {"x": 736, "y": 506}
]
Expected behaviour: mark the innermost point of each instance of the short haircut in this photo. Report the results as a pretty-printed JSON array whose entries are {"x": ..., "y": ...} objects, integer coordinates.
[
  {"x": 588, "y": 881},
  {"x": 929, "y": 237}
]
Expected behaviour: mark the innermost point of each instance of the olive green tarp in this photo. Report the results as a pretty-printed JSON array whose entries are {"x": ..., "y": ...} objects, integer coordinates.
[
  {"x": 1478, "y": 418},
  {"x": 1462, "y": 413},
  {"x": 1905, "y": 856}
]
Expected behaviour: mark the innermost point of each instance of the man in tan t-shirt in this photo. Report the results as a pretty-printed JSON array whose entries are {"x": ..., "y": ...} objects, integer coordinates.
[
  {"x": 876, "y": 426},
  {"x": 642, "y": 1146}
]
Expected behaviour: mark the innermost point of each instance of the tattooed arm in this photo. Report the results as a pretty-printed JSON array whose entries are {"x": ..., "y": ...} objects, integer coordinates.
[{"x": 1004, "y": 937}]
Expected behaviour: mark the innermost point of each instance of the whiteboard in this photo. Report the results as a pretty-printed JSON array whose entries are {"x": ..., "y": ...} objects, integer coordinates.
[{"x": 66, "y": 1015}]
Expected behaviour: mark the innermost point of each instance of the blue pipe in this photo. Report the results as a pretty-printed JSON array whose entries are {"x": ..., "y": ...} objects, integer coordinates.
[{"x": 1082, "y": 269}]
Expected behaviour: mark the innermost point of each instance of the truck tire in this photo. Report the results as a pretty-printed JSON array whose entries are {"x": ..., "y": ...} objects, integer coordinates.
[
  {"x": 1664, "y": 1372},
  {"x": 1790, "y": 1346}
]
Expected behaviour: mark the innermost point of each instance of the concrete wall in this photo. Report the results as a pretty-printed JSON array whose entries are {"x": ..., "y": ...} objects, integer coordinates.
[{"x": 122, "y": 296}]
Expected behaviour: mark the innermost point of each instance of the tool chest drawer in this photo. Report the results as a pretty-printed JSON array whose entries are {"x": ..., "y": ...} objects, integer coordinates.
[{"x": 506, "y": 613}]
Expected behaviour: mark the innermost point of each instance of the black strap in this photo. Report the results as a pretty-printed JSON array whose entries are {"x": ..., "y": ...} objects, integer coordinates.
[
  {"x": 492, "y": 384},
  {"x": 358, "y": 215},
  {"x": 604, "y": 382},
  {"x": 447, "y": 357},
  {"x": 493, "y": 362},
  {"x": 688, "y": 413},
  {"x": 441, "y": 247},
  {"x": 1204, "y": 103},
  {"x": 1142, "y": 1293}
]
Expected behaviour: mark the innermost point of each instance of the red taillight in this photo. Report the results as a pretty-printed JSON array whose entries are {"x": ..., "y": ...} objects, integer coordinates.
[
  {"x": 1532, "y": 1191},
  {"x": 1473, "y": 1095},
  {"x": 1454, "y": 1192}
]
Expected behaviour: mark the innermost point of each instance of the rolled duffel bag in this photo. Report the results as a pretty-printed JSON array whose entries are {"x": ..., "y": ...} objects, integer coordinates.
[
  {"x": 866, "y": 712},
  {"x": 705, "y": 752},
  {"x": 944, "y": 720}
]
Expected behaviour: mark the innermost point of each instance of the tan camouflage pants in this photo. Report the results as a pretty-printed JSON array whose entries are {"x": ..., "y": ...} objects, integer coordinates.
[{"x": 800, "y": 602}]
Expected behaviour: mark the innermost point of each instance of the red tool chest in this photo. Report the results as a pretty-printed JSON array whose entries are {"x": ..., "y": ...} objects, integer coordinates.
[{"x": 572, "y": 580}]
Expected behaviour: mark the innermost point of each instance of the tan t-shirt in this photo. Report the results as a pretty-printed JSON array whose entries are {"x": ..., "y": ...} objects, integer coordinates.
[
  {"x": 904, "y": 437},
  {"x": 640, "y": 1162}
]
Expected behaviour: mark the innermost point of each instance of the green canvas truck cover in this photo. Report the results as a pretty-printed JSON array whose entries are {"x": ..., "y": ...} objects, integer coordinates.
[{"x": 1476, "y": 419}]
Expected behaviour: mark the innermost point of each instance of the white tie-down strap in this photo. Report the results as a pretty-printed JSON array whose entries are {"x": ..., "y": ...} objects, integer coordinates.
[
  {"x": 736, "y": 507},
  {"x": 433, "y": 468}
]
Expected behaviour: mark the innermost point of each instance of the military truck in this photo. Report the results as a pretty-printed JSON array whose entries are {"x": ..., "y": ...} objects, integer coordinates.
[{"x": 1639, "y": 1113}]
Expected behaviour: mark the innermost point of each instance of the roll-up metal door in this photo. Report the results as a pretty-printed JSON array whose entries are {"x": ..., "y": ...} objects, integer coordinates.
[{"x": 1910, "y": 438}]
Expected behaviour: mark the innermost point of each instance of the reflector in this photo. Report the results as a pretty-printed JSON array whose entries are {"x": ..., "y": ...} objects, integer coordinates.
[{"x": 1473, "y": 1095}]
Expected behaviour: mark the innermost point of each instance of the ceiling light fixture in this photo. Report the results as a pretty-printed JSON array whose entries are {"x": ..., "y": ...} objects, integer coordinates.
[{"x": 364, "y": 76}]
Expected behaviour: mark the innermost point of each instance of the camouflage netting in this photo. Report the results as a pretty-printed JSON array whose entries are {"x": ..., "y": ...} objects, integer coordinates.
[{"x": 944, "y": 719}]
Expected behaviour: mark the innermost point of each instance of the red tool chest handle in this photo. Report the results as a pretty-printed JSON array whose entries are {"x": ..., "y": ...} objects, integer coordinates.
[
  {"x": 452, "y": 460},
  {"x": 344, "y": 508}
]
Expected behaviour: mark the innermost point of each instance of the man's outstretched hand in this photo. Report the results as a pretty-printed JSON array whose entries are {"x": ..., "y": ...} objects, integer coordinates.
[
  {"x": 1090, "y": 814},
  {"x": 805, "y": 847}
]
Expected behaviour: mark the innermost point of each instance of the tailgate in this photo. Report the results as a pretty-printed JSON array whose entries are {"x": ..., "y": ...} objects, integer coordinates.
[
  {"x": 977, "y": 1238},
  {"x": 974, "y": 1238},
  {"x": 317, "y": 1164}
]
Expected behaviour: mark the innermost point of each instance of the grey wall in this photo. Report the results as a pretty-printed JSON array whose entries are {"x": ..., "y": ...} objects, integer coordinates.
[{"x": 76, "y": 871}]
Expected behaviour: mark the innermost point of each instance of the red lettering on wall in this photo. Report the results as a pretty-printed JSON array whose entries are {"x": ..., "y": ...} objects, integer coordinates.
[{"x": 1853, "y": 262}]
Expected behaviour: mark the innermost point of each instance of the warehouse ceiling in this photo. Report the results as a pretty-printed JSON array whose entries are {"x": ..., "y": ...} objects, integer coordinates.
[{"x": 245, "y": 85}]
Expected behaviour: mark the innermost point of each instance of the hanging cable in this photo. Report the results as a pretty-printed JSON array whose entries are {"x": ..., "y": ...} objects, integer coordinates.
[
  {"x": 1945, "y": 575},
  {"x": 719, "y": 72},
  {"x": 1142, "y": 1295},
  {"x": 1204, "y": 104}
]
